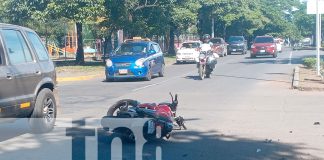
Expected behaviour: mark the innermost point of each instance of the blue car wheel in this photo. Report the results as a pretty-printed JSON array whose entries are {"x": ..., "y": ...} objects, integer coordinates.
[{"x": 148, "y": 75}]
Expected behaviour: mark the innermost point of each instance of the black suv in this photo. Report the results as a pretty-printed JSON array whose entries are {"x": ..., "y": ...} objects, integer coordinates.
[
  {"x": 27, "y": 78},
  {"x": 237, "y": 44}
]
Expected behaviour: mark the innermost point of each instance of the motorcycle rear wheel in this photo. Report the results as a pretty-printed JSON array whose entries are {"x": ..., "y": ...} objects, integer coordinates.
[{"x": 120, "y": 106}]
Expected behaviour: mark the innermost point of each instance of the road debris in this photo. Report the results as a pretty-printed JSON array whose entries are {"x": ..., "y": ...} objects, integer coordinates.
[{"x": 317, "y": 123}]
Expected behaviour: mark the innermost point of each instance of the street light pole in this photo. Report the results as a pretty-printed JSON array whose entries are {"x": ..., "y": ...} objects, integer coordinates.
[
  {"x": 213, "y": 27},
  {"x": 318, "y": 37}
]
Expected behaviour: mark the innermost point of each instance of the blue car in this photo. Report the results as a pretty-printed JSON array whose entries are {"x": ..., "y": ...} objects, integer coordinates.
[{"x": 135, "y": 59}]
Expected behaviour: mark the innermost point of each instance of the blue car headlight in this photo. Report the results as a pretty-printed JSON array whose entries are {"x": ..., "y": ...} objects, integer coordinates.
[
  {"x": 140, "y": 62},
  {"x": 109, "y": 63}
]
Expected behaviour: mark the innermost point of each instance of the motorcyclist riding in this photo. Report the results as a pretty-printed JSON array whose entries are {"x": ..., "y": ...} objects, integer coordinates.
[{"x": 207, "y": 59}]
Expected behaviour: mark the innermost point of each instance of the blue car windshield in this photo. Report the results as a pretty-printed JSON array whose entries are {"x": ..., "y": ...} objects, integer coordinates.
[{"x": 131, "y": 49}]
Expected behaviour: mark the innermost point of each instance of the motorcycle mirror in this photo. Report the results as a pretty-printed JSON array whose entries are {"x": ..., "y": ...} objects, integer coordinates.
[
  {"x": 171, "y": 96},
  {"x": 176, "y": 98}
]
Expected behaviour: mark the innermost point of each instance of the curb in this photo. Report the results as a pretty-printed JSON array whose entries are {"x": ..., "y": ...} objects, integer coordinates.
[
  {"x": 295, "y": 81},
  {"x": 79, "y": 78}
]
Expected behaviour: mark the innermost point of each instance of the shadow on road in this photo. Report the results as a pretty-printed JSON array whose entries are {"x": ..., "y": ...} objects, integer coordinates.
[
  {"x": 197, "y": 78},
  {"x": 73, "y": 63},
  {"x": 183, "y": 145},
  {"x": 184, "y": 63},
  {"x": 123, "y": 80},
  {"x": 269, "y": 60},
  {"x": 194, "y": 145},
  {"x": 13, "y": 129}
]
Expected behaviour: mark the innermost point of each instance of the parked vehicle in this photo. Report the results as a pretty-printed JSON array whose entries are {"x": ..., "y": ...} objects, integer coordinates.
[
  {"x": 207, "y": 61},
  {"x": 264, "y": 46},
  {"x": 237, "y": 44},
  {"x": 163, "y": 115},
  {"x": 219, "y": 46},
  {"x": 307, "y": 42},
  {"x": 135, "y": 58},
  {"x": 189, "y": 52},
  {"x": 27, "y": 78}
]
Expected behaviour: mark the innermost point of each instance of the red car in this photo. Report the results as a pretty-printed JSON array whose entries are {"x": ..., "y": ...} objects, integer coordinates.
[
  {"x": 219, "y": 46},
  {"x": 264, "y": 46}
]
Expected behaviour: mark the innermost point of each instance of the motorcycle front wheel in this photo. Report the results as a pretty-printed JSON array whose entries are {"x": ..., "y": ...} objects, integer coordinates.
[{"x": 201, "y": 71}]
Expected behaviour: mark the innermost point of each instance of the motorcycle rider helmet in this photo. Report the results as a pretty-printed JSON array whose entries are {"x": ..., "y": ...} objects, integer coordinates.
[{"x": 206, "y": 38}]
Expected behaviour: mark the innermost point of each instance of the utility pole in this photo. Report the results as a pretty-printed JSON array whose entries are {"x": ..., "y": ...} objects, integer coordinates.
[
  {"x": 318, "y": 38},
  {"x": 213, "y": 27}
]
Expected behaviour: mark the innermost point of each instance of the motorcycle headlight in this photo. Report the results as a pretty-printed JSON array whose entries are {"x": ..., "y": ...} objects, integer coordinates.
[
  {"x": 140, "y": 62},
  {"x": 109, "y": 63},
  {"x": 202, "y": 56}
]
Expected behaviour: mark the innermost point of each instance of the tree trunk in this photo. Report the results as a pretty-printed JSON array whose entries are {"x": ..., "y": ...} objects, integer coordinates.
[
  {"x": 171, "y": 50},
  {"x": 80, "y": 51},
  {"x": 108, "y": 45},
  {"x": 224, "y": 31}
]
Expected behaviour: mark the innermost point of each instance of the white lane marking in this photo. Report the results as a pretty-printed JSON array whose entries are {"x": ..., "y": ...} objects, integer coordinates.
[
  {"x": 148, "y": 86},
  {"x": 290, "y": 57},
  {"x": 155, "y": 84}
]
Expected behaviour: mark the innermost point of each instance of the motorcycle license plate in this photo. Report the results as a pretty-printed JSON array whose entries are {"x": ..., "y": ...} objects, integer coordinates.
[
  {"x": 150, "y": 127},
  {"x": 123, "y": 71}
]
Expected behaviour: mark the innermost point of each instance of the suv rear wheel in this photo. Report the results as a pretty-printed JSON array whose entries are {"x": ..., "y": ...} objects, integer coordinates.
[{"x": 43, "y": 118}]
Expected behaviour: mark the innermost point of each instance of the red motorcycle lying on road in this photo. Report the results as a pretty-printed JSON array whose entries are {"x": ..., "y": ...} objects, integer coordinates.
[{"x": 161, "y": 115}]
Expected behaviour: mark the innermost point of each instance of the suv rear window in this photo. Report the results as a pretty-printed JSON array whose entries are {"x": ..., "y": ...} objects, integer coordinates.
[
  {"x": 16, "y": 47},
  {"x": 38, "y": 46},
  {"x": 264, "y": 40}
]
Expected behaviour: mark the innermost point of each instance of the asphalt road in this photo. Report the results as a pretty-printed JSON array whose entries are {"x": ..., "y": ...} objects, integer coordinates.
[{"x": 246, "y": 110}]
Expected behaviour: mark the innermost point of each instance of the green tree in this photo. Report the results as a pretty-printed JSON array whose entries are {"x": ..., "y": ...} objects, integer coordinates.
[
  {"x": 305, "y": 23},
  {"x": 184, "y": 14},
  {"x": 231, "y": 17},
  {"x": 78, "y": 12}
]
